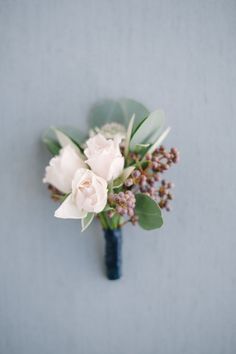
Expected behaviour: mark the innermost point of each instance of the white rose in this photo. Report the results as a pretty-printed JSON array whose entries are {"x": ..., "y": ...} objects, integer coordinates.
[
  {"x": 62, "y": 168},
  {"x": 89, "y": 194},
  {"x": 104, "y": 156}
]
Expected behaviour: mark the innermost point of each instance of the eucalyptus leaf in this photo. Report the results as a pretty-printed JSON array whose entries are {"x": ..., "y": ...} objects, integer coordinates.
[
  {"x": 148, "y": 212},
  {"x": 128, "y": 134},
  {"x": 148, "y": 129},
  {"x": 50, "y": 140},
  {"x": 130, "y": 107},
  {"x": 86, "y": 221},
  {"x": 127, "y": 172},
  {"x": 52, "y": 145},
  {"x": 74, "y": 134},
  {"x": 64, "y": 140},
  {"x": 159, "y": 141},
  {"x": 108, "y": 111},
  {"x": 118, "y": 182},
  {"x": 142, "y": 149}
]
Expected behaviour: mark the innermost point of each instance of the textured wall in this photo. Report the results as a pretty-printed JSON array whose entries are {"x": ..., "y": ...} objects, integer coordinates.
[{"x": 178, "y": 291}]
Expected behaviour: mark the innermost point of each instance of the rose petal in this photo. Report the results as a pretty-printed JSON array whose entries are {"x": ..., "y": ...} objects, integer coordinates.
[
  {"x": 68, "y": 210},
  {"x": 62, "y": 168}
]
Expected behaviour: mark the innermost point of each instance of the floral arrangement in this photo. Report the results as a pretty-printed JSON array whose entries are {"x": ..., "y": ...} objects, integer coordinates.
[{"x": 114, "y": 174}]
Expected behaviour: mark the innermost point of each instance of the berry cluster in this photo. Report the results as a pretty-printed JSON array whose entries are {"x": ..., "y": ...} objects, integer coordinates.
[
  {"x": 148, "y": 172},
  {"x": 144, "y": 179},
  {"x": 165, "y": 195},
  {"x": 123, "y": 203},
  {"x": 161, "y": 160}
]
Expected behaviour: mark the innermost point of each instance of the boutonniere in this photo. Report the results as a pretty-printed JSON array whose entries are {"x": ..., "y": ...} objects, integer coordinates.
[{"x": 114, "y": 174}]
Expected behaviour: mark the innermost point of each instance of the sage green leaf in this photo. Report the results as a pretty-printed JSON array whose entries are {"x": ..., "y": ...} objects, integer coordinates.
[
  {"x": 127, "y": 172},
  {"x": 118, "y": 182},
  {"x": 158, "y": 141},
  {"x": 63, "y": 197},
  {"x": 121, "y": 111},
  {"x": 86, "y": 221},
  {"x": 52, "y": 146},
  {"x": 128, "y": 134},
  {"x": 148, "y": 129},
  {"x": 56, "y": 138},
  {"x": 130, "y": 107},
  {"x": 50, "y": 140},
  {"x": 108, "y": 208},
  {"x": 148, "y": 212},
  {"x": 74, "y": 134},
  {"x": 65, "y": 140},
  {"x": 142, "y": 149},
  {"x": 106, "y": 111}
]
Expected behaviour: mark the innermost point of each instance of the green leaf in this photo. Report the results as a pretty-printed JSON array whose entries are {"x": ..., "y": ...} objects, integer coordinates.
[
  {"x": 142, "y": 149},
  {"x": 86, "y": 221},
  {"x": 104, "y": 112},
  {"x": 158, "y": 141},
  {"x": 130, "y": 107},
  {"x": 52, "y": 146},
  {"x": 108, "y": 208},
  {"x": 49, "y": 139},
  {"x": 127, "y": 172},
  {"x": 65, "y": 140},
  {"x": 63, "y": 197},
  {"x": 118, "y": 182},
  {"x": 148, "y": 212},
  {"x": 108, "y": 111},
  {"x": 115, "y": 221},
  {"x": 148, "y": 129},
  {"x": 128, "y": 135},
  {"x": 74, "y": 134}
]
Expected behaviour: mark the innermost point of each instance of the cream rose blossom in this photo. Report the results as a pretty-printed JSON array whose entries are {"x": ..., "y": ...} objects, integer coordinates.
[
  {"x": 62, "y": 168},
  {"x": 89, "y": 194},
  {"x": 104, "y": 156}
]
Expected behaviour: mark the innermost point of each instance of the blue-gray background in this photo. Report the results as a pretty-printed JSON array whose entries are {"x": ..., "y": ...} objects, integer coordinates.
[{"x": 57, "y": 58}]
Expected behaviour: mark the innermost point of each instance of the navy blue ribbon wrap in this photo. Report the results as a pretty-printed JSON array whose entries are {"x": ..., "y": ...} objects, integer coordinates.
[{"x": 113, "y": 253}]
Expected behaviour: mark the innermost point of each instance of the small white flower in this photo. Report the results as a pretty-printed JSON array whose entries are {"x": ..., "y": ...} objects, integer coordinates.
[
  {"x": 89, "y": 194},
  {"x": 110, "y": 131},
  {"x": 62, "y": 168},
  {"x": 104, "y": 156}
]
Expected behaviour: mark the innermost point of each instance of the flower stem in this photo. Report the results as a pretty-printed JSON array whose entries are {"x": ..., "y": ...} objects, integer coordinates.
[
  {"x": 109, "y": 223},
  {"x": 103, "y": 221}
]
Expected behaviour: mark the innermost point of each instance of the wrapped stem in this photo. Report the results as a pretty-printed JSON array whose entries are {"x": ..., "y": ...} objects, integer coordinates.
[{"x": 113, "y": 253}]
